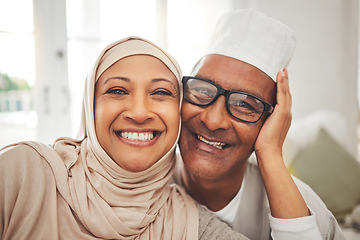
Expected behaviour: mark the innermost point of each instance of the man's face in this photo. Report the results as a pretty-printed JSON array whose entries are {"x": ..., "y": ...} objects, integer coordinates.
[{"x": 205, "y": 127}]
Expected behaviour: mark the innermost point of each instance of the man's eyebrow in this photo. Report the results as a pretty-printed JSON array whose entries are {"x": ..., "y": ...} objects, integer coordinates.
[
  {"x": 252, "y": 92},
  {"x": 245, "y": 90}
]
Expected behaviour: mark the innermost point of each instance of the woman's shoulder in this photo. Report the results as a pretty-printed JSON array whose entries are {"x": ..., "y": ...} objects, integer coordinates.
[
  {"x": 27, "y": 191},
  {"x": 21, "y": 160},
  {"x": 24, "y": 172},
  {"x": 18, "y": 152}
]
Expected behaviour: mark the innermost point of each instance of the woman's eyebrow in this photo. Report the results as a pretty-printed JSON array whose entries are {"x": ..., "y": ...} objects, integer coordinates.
[
  {"x": 164, "y": 80},
  {"x": 118, "y": 78},
  {"x": 125, "y": 79}
]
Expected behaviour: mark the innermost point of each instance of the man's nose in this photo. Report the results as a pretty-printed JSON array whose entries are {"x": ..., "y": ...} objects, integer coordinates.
[
  {"x": 216, "y": 115},
  {"x": 139, "y": 109}
]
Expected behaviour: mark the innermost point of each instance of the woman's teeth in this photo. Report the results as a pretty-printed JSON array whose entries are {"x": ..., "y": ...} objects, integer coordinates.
[
  {"x": 137, "y": 136},
  {"x": 218, "y": 145}
]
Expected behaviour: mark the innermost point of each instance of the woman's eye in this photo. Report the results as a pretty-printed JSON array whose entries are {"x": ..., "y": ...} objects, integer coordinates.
[
  {"x": 162, "y": 93},
  {"x": 117, "y": 91}
]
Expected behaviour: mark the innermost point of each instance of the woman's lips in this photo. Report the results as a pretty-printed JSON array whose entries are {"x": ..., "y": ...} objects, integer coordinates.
[{"x": 137, "y": 136}]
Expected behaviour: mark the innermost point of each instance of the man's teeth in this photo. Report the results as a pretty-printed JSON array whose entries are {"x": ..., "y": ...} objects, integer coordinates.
[
  {"x": 137, "y": 136},
  {"x": 218, "y": 145}
]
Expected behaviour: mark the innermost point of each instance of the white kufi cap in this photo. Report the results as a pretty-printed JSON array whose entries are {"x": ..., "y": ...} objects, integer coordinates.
[{"x": 254, "y": 38}]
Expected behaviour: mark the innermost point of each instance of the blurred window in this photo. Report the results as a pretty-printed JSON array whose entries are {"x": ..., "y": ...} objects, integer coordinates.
[{"x": 17, "y": 71}]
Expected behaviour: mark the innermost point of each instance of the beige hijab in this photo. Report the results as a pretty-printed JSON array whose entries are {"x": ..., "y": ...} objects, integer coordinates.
[{"x": 108, "y": 201}]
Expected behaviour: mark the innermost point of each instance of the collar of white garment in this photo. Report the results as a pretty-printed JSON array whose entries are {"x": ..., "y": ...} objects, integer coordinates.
[{"x": 228, "y": 213}]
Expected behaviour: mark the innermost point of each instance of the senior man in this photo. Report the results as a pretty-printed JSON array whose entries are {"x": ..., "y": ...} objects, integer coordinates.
[{"x": 236, "y": 102}]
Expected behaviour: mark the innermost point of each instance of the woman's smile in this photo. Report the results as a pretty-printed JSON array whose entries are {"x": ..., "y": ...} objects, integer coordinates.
[
  {"x": 137, "y": 112},
  {"x": 138, "y": 138},
  {"x": 134, "y": 136}
]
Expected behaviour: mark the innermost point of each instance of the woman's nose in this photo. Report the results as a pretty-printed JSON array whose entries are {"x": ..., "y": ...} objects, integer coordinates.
[
  {"x": 216, "y": 115},
  {"x": 138, "y": 110}
]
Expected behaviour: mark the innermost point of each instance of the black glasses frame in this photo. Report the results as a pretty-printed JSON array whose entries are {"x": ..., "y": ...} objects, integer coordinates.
[{"x": 221, "y": 91}]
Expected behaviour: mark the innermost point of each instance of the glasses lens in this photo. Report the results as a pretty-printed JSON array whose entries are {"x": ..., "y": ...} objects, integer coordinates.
[
  {"x": 199, "y": 92},
  {"x": 245, "y": 107}
]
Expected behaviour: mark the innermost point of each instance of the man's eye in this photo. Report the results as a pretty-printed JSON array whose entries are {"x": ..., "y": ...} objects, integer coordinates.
[
  {"x": 243, "y": 106},
  {"x": 246, "y": 105},
  {"x": 204, "y": 92},
  {"x": 240, "y": 105},
  {"x": 117, "y": 91}
]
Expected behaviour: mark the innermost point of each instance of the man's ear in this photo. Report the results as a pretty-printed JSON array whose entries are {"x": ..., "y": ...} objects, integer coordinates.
[{"x": 274, "y": 102}]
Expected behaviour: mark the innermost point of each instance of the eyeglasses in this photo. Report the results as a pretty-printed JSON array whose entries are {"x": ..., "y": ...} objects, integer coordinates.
[{"x": 240, "y": 105}]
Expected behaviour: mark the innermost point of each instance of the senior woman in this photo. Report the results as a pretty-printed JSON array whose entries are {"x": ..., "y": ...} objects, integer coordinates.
[{"x": 113, "y": 182}]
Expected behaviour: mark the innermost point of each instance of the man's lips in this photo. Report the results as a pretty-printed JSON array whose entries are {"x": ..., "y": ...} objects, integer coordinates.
[{"x": 217, "y": 144}]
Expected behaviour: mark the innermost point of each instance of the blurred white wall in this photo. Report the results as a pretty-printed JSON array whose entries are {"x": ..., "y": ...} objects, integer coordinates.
[
  {"x": 323, "y": 72},
  {"x": 324, "y": 69}
]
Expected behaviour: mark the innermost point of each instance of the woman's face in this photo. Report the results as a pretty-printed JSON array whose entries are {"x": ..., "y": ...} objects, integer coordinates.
[{"x": 137, "y": 111}]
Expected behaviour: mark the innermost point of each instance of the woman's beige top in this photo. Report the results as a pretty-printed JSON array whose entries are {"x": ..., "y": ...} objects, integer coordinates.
[{"x": 74, "y": 190}]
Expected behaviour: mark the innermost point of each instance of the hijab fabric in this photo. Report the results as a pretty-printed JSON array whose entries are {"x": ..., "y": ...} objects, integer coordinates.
[{"x": 111, "y": 202}]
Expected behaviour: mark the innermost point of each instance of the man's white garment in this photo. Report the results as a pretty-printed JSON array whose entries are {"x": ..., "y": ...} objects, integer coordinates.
[{"x": 249, "y": 212}]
